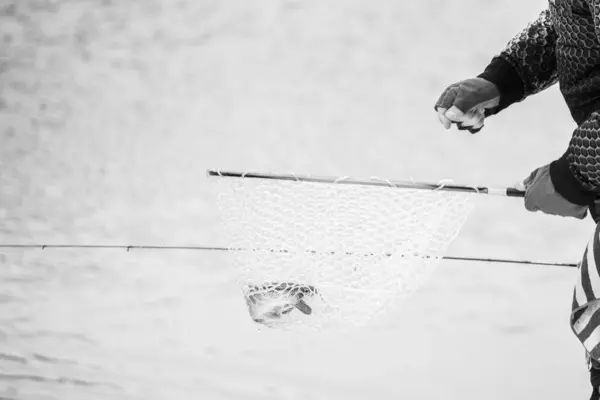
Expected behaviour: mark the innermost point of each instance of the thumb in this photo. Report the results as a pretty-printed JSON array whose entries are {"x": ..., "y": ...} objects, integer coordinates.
[
  {"x": 527, "y": 182},
  {"x": 454, "y": 114},
  {"x": 524, "y": 184},
  {"x": 520, "y": 186}
]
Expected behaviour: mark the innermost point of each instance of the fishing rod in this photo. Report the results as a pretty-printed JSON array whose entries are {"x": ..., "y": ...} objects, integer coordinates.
[{"x": 129, "y": 248}]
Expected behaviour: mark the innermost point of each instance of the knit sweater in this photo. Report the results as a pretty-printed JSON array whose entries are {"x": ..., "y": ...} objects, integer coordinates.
[{"x": 562, "y": 45}]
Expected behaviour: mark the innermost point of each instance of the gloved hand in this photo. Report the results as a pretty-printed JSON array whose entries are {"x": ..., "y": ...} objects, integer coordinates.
[
  {"x": 540, "y": 195},
  {"x": 467, "y": 103}
]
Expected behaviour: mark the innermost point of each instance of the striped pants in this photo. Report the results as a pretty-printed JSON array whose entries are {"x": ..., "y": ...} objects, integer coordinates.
[
  {"x": 585, "y": 310},
  {"x": 585, "y": 315}
]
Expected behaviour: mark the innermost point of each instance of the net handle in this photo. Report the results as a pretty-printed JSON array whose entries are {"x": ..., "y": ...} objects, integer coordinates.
[{"x": 507, "y": 191}]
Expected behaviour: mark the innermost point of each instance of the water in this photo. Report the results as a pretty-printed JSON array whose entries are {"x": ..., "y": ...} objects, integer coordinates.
[{"x": 111, "y": 112}]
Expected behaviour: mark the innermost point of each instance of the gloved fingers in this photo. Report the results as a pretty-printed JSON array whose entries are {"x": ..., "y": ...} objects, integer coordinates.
[
  {"x": 457, "y": 104},
  {"x": 443, "y": 103},
  {"x": 454, "y": 114},
  {"x": 475, "y": 94},
  {"x": 520, "y": 185},
  {"x": 441, "y": 113},
  {"x": 446, "y": 99},
  {"x": 527, "y": 182},
  {"x": 479, "y": 121},
  {"x": 554, "y": 205},
  {"x": 540, "y": 195},
  {"x": 473, "y": 121}
]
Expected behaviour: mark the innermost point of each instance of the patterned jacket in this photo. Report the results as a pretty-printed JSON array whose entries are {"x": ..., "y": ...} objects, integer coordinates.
[{"x": 561, "y": 45}]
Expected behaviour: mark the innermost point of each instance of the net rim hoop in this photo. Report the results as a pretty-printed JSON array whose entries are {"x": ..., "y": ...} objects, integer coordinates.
[{"x": 372, "y": 181}]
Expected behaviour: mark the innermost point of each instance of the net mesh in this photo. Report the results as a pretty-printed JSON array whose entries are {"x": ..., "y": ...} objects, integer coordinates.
[{"x": 329, "y": 255}]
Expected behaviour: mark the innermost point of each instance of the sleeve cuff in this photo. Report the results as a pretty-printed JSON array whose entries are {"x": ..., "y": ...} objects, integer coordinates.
[
  {"x": 502, "y": 74},
  {"x": 567, "y": 185}
]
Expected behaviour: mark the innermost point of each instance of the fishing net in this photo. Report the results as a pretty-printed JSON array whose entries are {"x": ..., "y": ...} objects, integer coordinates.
[{"x": 334, "y": 254}]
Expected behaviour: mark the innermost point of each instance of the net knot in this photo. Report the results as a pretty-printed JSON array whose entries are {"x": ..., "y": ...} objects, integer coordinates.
[
  {"x": 444, "y": 182},
  {"x": 376, "y": 178},
  {"x": 341, "y": 178}
]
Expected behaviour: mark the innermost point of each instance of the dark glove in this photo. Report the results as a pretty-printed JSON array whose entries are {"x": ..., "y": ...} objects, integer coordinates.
[
  {"x": 540, "y": 195},
  {"x": 467, "y": 103}
]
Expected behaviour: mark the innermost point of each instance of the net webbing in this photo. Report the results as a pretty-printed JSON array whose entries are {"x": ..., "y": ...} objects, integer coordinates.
[{"x": 332, "y": 256}]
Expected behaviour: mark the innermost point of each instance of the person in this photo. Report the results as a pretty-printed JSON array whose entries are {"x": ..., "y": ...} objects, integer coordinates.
[{"x": 562, "y": 45}]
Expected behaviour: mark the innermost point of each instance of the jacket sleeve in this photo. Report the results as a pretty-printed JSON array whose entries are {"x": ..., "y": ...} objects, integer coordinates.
[
  {"x": 576, "y": 175},
  {"x": 528, "y": 63}
]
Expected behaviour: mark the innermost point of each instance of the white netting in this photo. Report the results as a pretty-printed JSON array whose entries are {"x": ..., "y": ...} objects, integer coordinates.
[{"x": 331, "y": 255}]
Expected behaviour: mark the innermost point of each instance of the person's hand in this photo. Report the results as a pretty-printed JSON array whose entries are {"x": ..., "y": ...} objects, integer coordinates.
[
  {"x": 540, "y": 195},
  {"x": 467, "y": 103}
]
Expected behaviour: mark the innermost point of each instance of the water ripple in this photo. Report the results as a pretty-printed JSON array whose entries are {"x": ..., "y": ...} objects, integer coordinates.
[
  {"x": 53, "y": 334},
  {"x": 51, "y": 360},
  {"x": 59, "y": 380},
  {"x": 13, "y": 358}
]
